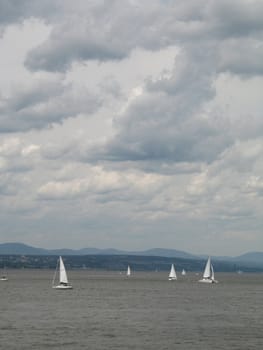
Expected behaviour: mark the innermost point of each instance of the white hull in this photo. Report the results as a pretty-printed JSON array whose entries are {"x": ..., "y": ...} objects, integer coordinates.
[
  {"x": 172, "y": 279},
  {"x": 62, "y": 287},
  {"x": 3, "y": 279},
  {"x": 207, "y": 280}
]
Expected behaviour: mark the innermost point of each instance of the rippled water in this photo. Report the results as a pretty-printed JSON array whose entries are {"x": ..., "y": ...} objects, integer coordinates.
[{"x": 109, "y": 311}]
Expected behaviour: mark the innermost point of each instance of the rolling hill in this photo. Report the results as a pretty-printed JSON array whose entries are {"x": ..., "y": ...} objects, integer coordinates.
[{"x": 114, "y": 257}]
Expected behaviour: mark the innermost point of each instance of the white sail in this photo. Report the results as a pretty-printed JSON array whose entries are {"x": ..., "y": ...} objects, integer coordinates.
[
  {"x": 172, "y": 274},
  {"x": 207, "y": 271},
  {"x": 212, "y": 273},
  {"x": 63, "y": 278},
  {"x": 208, "y": 275},
  {"x": 183, "y": 272},
  {"x": 128, "y": 271}
]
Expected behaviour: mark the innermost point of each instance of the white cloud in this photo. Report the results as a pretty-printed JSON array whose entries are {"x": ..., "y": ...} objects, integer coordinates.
[
  {"x": 10, "y": 146},
  {"x": 99, "y": 181},
  {"x": 28, "y": 150}
]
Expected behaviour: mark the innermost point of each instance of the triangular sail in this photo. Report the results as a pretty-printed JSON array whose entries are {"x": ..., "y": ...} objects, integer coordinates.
[
  {"x": 63, "y": 278},
  {"x": 209, "y": 276},
  {"x": 207, "y": 271},
  {"x": 128, "y": 271},
  {"x": 212, "y": 272},
  {"x": 172, "y": 273}
]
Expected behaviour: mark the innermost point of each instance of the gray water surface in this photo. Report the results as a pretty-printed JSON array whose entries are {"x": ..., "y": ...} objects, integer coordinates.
[{"x": 107, "y": 310}]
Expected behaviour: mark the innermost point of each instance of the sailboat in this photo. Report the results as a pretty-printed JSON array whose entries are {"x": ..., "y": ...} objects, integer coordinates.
[
  {"x": 63, "y": 278},
  {"x": 183, "y": 272},
  {"x": 4, "y": 277},
  {"x": 208, "y": 275},
  {"x": 172, "y": 274},
  {"x": 128, "y": 271}
]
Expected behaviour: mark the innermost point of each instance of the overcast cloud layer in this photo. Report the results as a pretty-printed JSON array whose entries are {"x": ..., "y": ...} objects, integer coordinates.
[{"x": 132, "y": 124}]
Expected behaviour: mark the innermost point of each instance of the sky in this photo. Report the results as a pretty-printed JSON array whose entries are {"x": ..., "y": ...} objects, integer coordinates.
[{"x": 132, "y": 124}]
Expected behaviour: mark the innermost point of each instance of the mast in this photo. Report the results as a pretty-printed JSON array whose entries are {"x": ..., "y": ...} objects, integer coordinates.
[{"x": 55, "y": 273}]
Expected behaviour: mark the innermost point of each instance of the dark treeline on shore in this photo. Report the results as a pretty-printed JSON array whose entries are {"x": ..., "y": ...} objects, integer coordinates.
[{"x": 120, "y": 262}]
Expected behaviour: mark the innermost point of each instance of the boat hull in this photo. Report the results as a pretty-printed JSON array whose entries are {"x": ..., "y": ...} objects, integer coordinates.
[
  {"x": 62, "y": 287},
  {"x": 172, "y": 279},
  {"x": 208, "y": 280}
]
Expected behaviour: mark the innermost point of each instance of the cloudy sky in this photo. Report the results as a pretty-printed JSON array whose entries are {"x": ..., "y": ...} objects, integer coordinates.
[{"x": 132, "y": 124}]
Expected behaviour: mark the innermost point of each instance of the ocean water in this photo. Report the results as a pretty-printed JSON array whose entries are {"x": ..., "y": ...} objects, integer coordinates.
[{"x": 107, "y": 310}]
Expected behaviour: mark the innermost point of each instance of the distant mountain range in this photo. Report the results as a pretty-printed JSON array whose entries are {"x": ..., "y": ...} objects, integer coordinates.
[{"x": 23, "y": 249}]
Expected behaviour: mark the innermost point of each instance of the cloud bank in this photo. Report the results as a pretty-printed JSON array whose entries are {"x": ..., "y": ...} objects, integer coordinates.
[{"x": 132, "y": 124}]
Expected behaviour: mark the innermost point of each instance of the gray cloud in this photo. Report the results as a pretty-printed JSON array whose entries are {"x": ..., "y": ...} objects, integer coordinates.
[
  {"x": 42, "y": 104},
  {"x": 235, "y": 19},
  {"x": 167, "y": 123},
  {"x": 165, "y": 151},
  {"x": 191, "y": 141},
  {"x": 14, "y": 12},
  {"x": 242, "y": 57},
  {"x": 76, "y": 38}
]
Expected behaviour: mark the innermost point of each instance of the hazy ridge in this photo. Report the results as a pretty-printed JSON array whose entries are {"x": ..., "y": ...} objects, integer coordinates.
[{"x": 249, "y": 259}]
